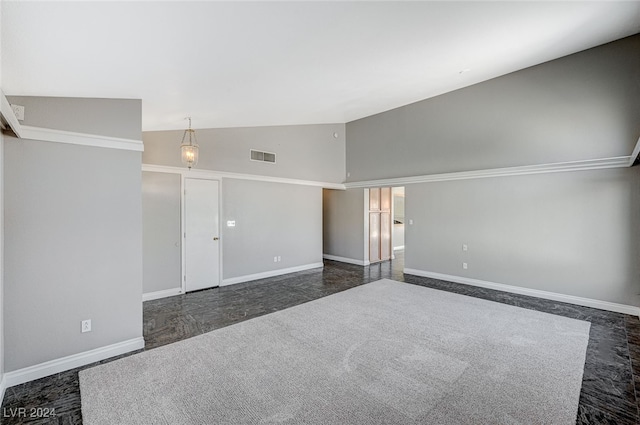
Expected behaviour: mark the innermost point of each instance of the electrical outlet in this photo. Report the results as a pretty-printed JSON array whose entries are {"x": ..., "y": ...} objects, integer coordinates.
[
  {"x": 275, "y": 259},
  {"x": 18, "y": 112},
  {"x": 279, "y": 258},
  {"x": 86, "y": 326},
  {"x": 465, "y": 247},
  {"x": 464, "y": 266}
]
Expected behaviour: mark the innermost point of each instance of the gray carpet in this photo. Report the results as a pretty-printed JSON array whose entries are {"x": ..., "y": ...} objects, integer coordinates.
[{"x": 382, "y": 353}]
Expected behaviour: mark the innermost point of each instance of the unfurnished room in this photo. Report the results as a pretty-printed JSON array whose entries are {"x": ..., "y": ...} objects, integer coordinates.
[{"x": 319, "y": 212}]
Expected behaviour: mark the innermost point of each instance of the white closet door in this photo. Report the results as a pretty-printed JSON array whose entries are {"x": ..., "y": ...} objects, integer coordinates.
[{"x": 202, "y": 244}]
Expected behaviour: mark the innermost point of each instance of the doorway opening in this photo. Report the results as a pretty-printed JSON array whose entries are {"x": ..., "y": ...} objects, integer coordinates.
[
  {"x": 397, "y": 236},
  {"x": 384, "y": 220}
]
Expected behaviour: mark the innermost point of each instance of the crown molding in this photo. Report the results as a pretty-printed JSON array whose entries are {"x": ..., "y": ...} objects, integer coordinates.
[
  {"x": 557, "y": 167},
  {"x": 635, "y": 153},
  {"x": 193, "y": 173},
  {"x": 61, "y": 136},
  {"x": 84, "y": 139},
  {"x": 8, "y": 117}
]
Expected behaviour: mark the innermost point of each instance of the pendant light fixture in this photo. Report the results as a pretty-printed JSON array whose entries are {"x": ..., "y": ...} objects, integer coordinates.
[{"x": 189, "y": 150}]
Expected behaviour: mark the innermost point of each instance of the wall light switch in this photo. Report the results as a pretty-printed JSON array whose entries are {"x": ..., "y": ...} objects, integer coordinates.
[
  {"x": 410, "y": 222},
  {"x": 465, "y": 247}
]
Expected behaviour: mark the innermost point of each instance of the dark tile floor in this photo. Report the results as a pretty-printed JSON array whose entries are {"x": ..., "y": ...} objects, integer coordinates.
[{"x": 611, "y": 375}]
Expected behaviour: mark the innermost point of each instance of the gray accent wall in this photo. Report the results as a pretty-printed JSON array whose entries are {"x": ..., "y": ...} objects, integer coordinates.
[
  {"x": 161, "y": 212},
  {"x": 73, "y": 237},
  {"x": 343, "y": 223},
  {"x": 583, "y": 106},
  {"x": 575, "y": 233},
  {"x": 305, "y": 152},
  {"x": 121, "y": 118},
  {"x": 272, "y": 219}
]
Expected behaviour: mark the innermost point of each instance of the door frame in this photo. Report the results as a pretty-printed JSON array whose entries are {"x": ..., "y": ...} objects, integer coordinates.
[
  {"x": 366, "y": 242},
  {"x": 183, "y": 224},
  {"x": 366, "y": 227},
  {"x": 193, "y": 174}
]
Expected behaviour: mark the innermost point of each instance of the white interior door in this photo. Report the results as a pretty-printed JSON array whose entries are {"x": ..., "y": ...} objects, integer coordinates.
[{"x": 202, "y": 242}]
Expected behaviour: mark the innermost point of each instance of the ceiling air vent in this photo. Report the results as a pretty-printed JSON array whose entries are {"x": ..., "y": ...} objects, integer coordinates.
[{"x": 263, "y": 156}]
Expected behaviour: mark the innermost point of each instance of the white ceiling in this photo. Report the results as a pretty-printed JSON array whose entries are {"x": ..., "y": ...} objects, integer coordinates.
[{"x": 230, "y": 64}]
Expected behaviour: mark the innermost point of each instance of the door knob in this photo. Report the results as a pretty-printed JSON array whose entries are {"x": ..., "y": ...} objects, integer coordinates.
[{"x": 216, "y": 238}]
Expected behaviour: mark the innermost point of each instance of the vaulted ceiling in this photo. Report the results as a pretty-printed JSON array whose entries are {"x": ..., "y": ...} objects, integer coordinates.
[{"x": 230, "y": 64}]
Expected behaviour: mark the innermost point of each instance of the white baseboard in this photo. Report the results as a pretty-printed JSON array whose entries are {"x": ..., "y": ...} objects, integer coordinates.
[
  {"x": 345, "y": 260},
  {"x": 51, "y": 367},
  {"x": 571, "y": 299},
  {"x": 271, "y": 273},
  {"x": 398, "y": 248},
  {"x": 161, "y": 294}
]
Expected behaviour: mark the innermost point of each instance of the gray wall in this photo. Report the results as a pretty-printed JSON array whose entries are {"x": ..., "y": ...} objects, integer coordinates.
[
  {"x": 121, "y": 118},
  {"x": 582, "y": 106},
  {"x": 343, "y": 223},
  {"x": 272, "y": 219},
  {"x": 574, "y": 233},
  {"x": 161, "y": 231},
  {"x": 307, "y": 152},
  {"x": 73, "y": 249},
  {"x": 73, "y": 233},
  {"x": 571, "y": 233},
  {"x": 1, "y": 256}
]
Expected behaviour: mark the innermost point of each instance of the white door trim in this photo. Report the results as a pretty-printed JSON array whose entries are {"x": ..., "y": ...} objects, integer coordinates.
[
  {"x": 183, "y": 227},
  {"x": 365, "y": 222}
]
